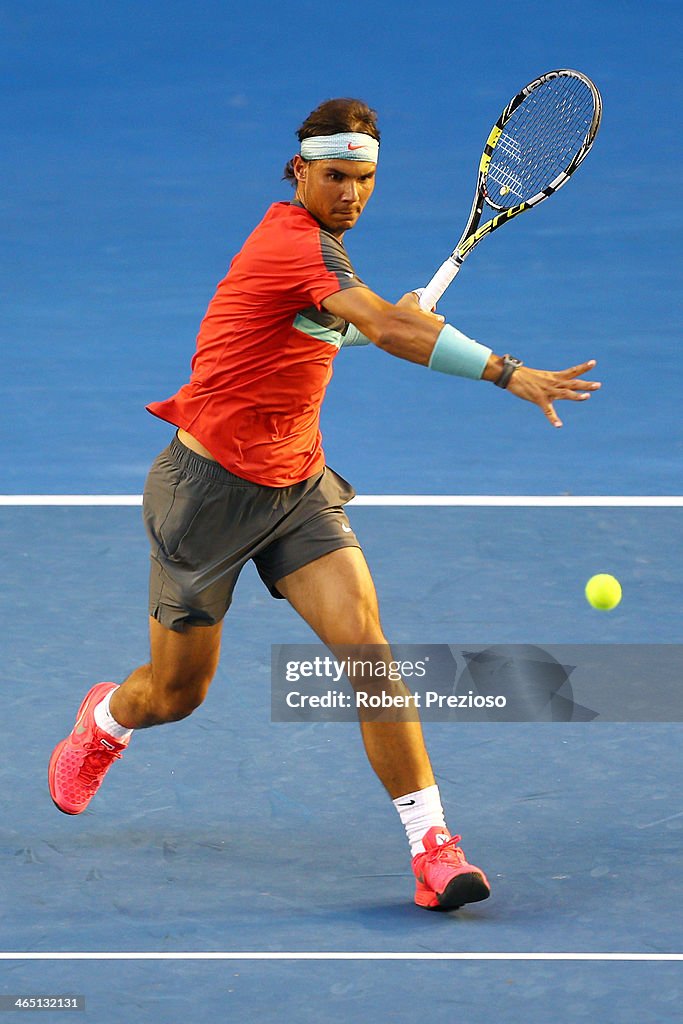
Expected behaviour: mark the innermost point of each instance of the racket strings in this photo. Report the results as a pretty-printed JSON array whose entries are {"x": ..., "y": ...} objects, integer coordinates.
[
  {"x": 540, "y": 140},
  {"x": 504, "y": 173}
]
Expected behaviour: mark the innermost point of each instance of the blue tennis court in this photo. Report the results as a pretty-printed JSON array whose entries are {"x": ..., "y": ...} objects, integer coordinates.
[{"x": 233, "y": 867}]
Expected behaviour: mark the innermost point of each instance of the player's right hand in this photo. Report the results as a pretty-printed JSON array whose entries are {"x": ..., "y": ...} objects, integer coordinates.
[{"x": 411, "y": 300}]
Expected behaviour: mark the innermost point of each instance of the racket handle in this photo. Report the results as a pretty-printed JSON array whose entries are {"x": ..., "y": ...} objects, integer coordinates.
[{"x": 439, "y": 283}]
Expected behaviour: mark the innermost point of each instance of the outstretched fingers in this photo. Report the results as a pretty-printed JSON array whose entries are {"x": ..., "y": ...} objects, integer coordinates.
[
  {"x": 573, "y": 391},
  {"x": 545, "y": 387},
  {"x": 549, "y": 411},
  {"x": 577, "y": 371},
  {"x": 568, "y": 385}
]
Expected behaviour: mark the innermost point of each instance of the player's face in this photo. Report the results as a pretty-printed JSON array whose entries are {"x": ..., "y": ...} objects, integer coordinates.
[{"x": 334, "y": 191}]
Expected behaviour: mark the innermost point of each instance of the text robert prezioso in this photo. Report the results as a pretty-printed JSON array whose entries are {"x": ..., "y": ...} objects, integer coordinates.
[{"x": 379, "y": 670}]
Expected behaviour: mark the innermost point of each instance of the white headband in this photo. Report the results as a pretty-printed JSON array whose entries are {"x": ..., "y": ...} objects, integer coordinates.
[{"x": 343, "y": 146}]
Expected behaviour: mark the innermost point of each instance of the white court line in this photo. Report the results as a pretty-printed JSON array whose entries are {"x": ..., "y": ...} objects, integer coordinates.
[
  {"x": 522, "y": 500},
  {"x": 393, "y": 500},
  {"x": 661, "y": 821},
  {"x": 92, "y": 500},
  {"x": 618, "y": 957}
]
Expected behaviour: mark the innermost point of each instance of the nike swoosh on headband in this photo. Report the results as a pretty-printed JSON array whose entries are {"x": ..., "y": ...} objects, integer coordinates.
[{"x": 340, "y": 146}]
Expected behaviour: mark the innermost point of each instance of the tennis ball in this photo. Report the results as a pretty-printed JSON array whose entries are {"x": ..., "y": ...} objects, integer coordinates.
[{"x": 603, "y": 591}]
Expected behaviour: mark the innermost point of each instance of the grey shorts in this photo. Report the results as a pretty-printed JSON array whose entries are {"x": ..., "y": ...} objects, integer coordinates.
[{"x": 204, "y": 524}]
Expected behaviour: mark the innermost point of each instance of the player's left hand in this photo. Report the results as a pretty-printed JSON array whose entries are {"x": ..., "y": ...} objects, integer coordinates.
[{"x": 543, "y": 387}]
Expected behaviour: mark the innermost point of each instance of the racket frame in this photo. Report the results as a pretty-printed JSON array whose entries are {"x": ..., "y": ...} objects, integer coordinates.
[{"x": 473, "y": 232}]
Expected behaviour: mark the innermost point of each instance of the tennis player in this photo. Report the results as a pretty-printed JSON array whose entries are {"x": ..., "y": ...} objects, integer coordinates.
[{"x": 244, "y": 478}]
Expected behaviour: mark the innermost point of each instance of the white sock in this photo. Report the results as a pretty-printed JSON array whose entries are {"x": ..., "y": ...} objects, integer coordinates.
[
  {"x": 105, "y": 720},
  {"x": 419, "y": 811}
]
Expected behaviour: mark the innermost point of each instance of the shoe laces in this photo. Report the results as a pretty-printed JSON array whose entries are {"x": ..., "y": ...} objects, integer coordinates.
[
  {"x": 97, "y": 759},
  {"x": 448, "y": 851}
]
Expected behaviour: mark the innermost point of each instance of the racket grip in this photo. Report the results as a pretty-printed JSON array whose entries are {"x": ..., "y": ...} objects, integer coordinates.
[{"x": 439, "y": 283}]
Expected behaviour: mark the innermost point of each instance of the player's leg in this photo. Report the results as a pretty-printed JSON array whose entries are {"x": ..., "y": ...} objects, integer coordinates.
[
  {"x": 188, "y": 500},
  {"x": 175, "y": 681},
  {"x": 170, "y": 687},
  {"x": 336, "y": 595}
]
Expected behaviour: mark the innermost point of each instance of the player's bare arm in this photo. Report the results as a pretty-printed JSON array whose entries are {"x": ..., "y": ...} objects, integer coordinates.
[{"x": 408, "y": 332}]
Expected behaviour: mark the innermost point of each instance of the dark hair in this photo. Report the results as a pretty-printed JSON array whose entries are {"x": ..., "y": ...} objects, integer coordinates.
[{"x": 333, "y": 116}]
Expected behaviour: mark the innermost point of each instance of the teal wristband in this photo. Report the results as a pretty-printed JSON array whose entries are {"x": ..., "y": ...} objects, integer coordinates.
[{"x": 459, "y": 355}]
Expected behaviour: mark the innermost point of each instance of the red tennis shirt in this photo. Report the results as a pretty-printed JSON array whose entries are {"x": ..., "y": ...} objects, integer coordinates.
[{"x": 264, "y": 352}]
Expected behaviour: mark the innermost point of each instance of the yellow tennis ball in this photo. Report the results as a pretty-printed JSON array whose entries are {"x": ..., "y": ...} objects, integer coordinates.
[{"x": 603, "y": 591}]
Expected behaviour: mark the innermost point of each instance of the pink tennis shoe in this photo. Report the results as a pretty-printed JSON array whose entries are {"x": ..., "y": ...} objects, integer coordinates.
[
  {"x": 444, "y": 878},
  {"x": 80, "y": 762},
  {"x": 445, "y": 881}
]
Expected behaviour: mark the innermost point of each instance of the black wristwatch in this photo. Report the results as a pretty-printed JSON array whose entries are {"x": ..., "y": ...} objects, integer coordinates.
[{"x": 510, "y": 364}]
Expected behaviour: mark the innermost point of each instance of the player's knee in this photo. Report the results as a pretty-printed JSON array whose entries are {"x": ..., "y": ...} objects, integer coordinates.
[
  {"x": 359, "y": 623},
  {"x": 358, "y": 633},
  {"x": 180, "y": 692},
  {"x": 175, "y": 706}
]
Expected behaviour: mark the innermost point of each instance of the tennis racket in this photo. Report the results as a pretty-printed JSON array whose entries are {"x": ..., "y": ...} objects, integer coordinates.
[{"x": 533, "y": 149}]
